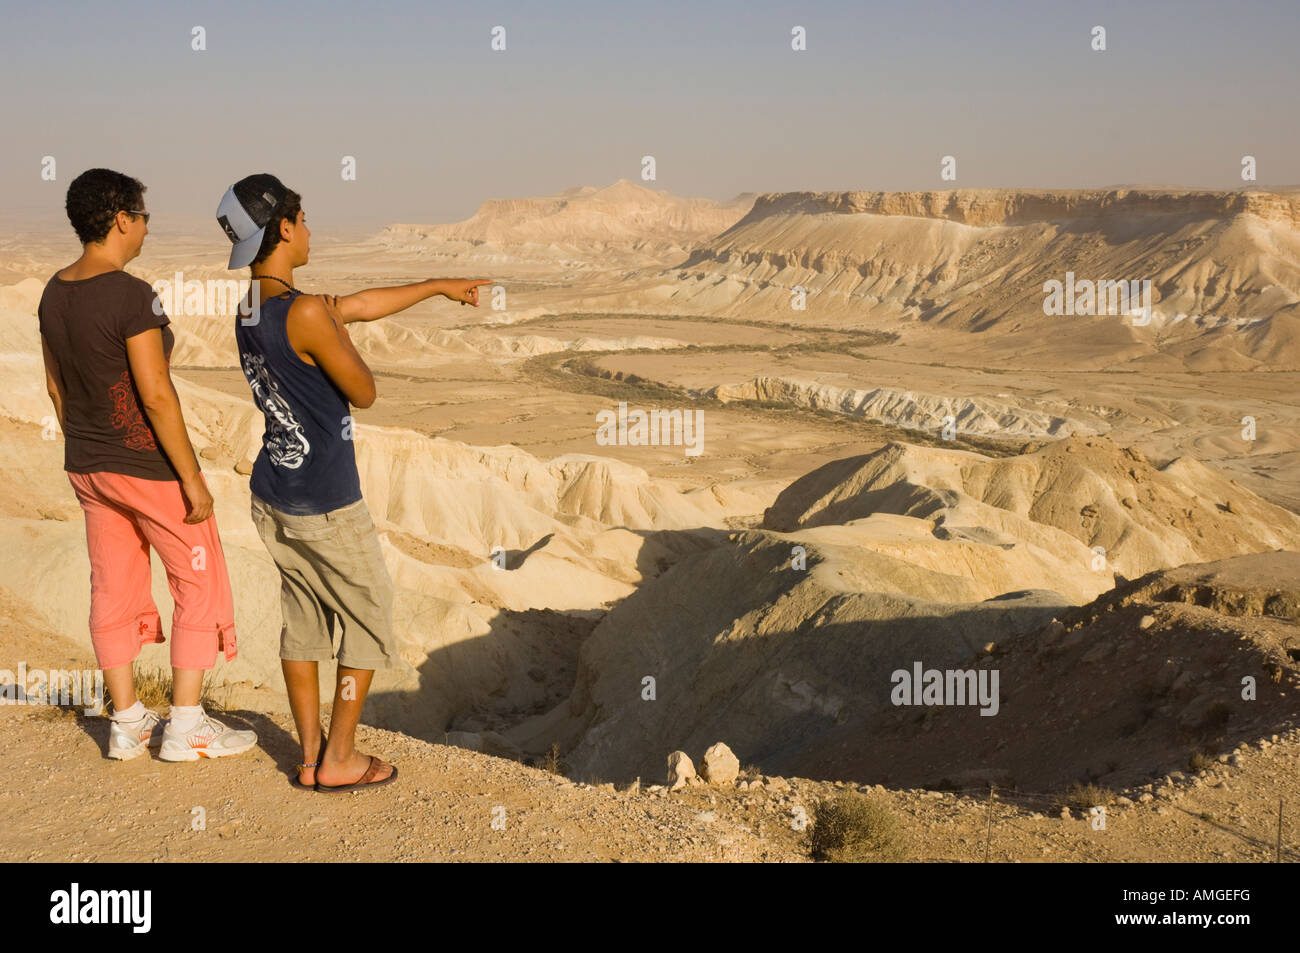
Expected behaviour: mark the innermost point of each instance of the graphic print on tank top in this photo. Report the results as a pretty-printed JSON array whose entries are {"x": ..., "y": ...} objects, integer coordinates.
[{"x": 286, "y": 444}]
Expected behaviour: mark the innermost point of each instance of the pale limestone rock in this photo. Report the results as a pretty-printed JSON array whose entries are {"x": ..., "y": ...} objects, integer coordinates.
[{"x": 719, "y": 766}]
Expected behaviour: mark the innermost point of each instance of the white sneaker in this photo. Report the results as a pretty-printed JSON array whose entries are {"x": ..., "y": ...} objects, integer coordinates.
[
  {"x": 208, "y": 738},
  {"x": 131, "y": 739}
]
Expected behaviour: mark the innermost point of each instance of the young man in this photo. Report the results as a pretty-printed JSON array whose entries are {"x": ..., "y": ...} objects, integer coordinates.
[
  {"x": 306, "y": 496},
  {"x": 106, "y": 344}
]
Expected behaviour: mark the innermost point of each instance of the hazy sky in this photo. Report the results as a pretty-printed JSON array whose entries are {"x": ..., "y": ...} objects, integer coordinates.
[{"x": 438, "y": 122}]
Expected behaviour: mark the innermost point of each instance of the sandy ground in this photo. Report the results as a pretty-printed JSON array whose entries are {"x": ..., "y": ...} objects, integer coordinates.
[
  {"x": 68, "y": 801},
  {"x": 444, "y": 802}
]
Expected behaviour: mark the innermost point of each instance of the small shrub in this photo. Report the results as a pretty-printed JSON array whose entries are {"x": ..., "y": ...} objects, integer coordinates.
[
  {"x": 854, "y": 828},
  {"x": 153, "y": 687},
  {"x": 1199, "y": 761},
  {"x": 1080, "y": 797},
  {"x": 551, "y": 761}
]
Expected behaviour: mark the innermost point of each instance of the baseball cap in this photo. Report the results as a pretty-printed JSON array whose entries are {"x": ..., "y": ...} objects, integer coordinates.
[{"x": 245, "y": 211}]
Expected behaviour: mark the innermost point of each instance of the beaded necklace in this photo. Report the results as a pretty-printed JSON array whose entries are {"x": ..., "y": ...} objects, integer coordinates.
[{"x": 281, "y": 280}]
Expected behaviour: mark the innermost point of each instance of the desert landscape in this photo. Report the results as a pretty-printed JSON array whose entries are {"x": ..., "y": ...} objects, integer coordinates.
[{"x": 879, "y": 448}]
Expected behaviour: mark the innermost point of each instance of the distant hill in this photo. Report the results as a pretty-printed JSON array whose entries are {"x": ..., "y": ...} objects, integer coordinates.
[
  {"x": 978, "y": 259},
  {"x": 625, "y": 214}
]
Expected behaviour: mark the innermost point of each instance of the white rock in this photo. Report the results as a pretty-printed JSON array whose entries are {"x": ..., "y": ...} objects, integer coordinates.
[
  {"x": 681, "y": 770},
  {"x": 719, "y": 766}
]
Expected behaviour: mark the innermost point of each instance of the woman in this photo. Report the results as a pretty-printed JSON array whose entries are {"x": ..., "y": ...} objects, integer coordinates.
[{"x": 106, "y": 346}]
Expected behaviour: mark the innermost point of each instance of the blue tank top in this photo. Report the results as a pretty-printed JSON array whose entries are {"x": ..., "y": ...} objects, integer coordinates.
[{"x": 307, "y": 464}]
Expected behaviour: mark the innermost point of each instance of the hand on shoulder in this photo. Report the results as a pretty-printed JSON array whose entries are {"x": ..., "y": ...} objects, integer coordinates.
[
  {"x": 316, "y": 309},
  {"x": 315, "y": 327}
]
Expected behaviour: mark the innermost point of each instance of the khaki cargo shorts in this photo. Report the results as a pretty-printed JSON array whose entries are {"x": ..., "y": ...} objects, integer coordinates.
[{"x": 331, "y": 568}]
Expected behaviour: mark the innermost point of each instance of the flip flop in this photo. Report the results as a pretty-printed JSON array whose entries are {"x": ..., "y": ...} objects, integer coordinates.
[
  {"x": 365, "y": 781},
  {"x": 296, "y": 780}
]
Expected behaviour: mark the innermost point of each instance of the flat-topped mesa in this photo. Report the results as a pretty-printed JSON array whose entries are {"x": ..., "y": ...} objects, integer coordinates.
[
  {"x": 986, "y": 260},
  {"x": 991, "y": 207},
  {"x": 624, "y": 213}
]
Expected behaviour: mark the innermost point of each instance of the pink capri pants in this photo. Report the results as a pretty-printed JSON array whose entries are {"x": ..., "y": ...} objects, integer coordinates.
[{"x": 125, "y": 515}]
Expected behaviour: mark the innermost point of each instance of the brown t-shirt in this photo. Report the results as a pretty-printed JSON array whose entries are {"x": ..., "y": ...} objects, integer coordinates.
[{"x": 86, "y": 324}]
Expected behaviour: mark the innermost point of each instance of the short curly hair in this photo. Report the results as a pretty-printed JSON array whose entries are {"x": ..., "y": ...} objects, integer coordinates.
[
  {"x": 288, "y": 208},
  {"x": 94, "y": 199}
]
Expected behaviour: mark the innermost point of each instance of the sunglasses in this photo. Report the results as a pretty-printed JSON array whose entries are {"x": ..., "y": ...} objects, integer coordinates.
[{"x": 130, "y": 211}]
